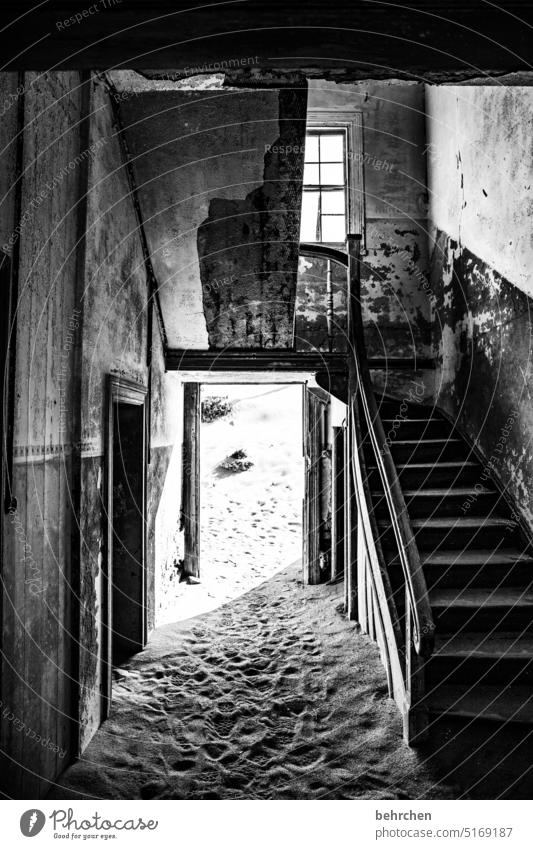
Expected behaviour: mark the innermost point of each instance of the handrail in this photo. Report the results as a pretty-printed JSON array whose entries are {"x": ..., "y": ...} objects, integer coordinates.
[
  {"x": 424, "y": 628},
  {"x": 324, "y": 252},
  {"x": 420, "y": 609}
]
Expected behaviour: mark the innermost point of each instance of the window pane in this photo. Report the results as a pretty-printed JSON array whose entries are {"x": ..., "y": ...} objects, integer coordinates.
[
  {"x": 311, "y": 148},
  {"x": 332, "y": 175},
  {"x": 311, "y": 176},
  {"x": 332, "y": 148},
  {"x": 333, "y": 203},
  {"x": 333, "y": 228},
  {"x": 309, "y": 224}
]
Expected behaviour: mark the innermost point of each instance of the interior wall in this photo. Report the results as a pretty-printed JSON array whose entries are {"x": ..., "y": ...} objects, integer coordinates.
[
  {"x": 114, "y": 341},
  {"x": 38, "y": 654},
  {"x": 480, "y": 159},
  {"x": 221, "y": 195},
  {"x": 82, "y": 315},
  {"x": 394, "y": 284}
]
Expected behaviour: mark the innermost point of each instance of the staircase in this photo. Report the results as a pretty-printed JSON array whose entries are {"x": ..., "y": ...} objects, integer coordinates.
[{"x": 477, "y": 565}]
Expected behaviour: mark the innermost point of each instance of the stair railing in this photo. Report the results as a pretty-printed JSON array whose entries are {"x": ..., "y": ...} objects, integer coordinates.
[{"x": 403, "y": 650}]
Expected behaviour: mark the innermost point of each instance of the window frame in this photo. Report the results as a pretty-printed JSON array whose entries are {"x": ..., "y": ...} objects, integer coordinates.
[
  {"x": 351, "y": 123},
  {"x": 322, "y": 188}
]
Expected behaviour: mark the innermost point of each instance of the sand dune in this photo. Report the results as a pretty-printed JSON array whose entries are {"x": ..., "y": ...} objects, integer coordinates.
[
  {"x": 273, "y": 696},
  {"x": 267, "y": 692}
]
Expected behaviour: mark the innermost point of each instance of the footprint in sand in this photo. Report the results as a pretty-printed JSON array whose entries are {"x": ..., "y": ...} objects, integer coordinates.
[
  {"x": 153, "y": 789},
  {"x": 305, "y": 756},
  {"x": 183, "y": 765},
  {"x": 215, "y": 751}
]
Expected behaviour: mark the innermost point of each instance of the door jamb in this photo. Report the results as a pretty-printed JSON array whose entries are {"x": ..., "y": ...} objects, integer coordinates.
[{"x": 119, "y": 390}]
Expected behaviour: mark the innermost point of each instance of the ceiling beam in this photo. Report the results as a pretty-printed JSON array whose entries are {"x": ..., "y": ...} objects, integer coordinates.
[
  {"x": 270, "y": 359},
  {"x": 254, "y": 360}
]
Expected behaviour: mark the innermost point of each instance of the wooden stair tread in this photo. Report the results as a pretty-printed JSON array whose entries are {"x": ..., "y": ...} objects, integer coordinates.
[
  {"x": 486, "y": 589},
  {"x": 469, "y": 557},
  {"x": 444, "y": 491},
  {"x": 507, "y": 704},
  {"x": 441, "y": 464},
  {"x": 477, "y": 645},
  {"x": 455, "y": 522},
  {"x": 445, "y": 440},
  {"x": 461, "y": 522},
  {"x": 481, "y": 597},
  {"x": 447, "y": 464},
  {"x": 409, "y": 419},
  {"x": 476, "y": 557}
]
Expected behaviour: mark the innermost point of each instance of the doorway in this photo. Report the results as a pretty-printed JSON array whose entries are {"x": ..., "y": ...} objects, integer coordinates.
[
  {"x": 125, "y": 591},
  {"x": 252, "y": 484},
  {"x": 243, "y": 483}
]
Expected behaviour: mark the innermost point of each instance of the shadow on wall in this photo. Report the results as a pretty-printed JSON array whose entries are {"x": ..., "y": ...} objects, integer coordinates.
[
  {"x": 484, "y": 353},
  {"x": 248, "y": 249}
]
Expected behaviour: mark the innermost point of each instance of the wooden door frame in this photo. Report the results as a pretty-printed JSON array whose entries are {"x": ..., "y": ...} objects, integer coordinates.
[
  {"x": 314, "y": 439},
  {"x": 338, "y": 472},
  {"x": 119, "y": 390},
  {"x": 190, "y": 477},
  {"x": 351, "y": 519}
]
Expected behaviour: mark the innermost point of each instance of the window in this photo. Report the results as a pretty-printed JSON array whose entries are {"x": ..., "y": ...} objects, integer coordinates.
[{"x": 324, "y": 203}]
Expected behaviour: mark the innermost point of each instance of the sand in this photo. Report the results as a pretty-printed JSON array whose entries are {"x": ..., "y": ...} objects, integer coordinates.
[
  {"x": 272, "y": 696},
  {"x": 250, "y": 521},
  {"x": 260, "y": 688}
]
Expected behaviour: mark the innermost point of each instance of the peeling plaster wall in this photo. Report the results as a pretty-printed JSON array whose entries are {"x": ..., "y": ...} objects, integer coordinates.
[
  {"x": 221, "y": 209},
  {"x": 37, "y": 561},
  {"x": 310, "y": 320},
  {"x": 8, "y": 129},
  {"x": 481, "y": 173},
  {"x": 256, "y": 242},
  {"x": 82, "y": 315},
  {"x": 396, "y": 306},
  {"x": 480, "y": 155},
  {"x": 114, "y": 341}
]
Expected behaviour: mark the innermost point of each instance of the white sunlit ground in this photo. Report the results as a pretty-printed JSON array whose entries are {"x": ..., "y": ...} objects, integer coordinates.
[{"x": 251, "y": 521}]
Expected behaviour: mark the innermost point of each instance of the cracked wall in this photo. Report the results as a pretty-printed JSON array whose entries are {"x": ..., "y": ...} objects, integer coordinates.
[
  {"x": 219, "y": 177},
  {"x": 480, "y": 177},
  {"x": 396, "y": 304},
  {"x": 82, "y": 315},
  {"x": 254, "y": 242}
]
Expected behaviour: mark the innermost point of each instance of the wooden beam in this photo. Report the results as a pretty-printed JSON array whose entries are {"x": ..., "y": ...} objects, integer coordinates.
[
  {"x": 255, "y": 360},
  {"x": 332, "y": 365}
]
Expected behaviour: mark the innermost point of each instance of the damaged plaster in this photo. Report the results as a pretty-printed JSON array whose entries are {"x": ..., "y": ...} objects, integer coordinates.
[{"x": 254, "y": 243}]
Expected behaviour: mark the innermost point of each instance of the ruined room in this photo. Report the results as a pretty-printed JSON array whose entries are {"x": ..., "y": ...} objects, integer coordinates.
[{"x": 323, "y": 589}]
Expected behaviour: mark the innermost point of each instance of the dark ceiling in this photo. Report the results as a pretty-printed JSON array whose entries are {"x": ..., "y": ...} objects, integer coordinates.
[{"x": 433, "y": 40}]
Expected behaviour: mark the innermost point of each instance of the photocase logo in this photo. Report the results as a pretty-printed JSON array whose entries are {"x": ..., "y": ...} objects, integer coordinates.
[{"x": 32, "y": 822}]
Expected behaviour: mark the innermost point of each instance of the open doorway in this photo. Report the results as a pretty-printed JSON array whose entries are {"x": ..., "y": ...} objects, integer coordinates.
[
  {"x": 242, "y": 490},
  {"x": 252, "y": 483},
  {"x": 125, "y": 591}
]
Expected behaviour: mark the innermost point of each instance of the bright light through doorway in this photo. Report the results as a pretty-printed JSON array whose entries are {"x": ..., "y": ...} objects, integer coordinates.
[{"x": 251, "y": 490}]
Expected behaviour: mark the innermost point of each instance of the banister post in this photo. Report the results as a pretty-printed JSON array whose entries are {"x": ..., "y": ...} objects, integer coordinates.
[
  {"x": 353, "y": 294},
  {"x": 415, "y": 720},
  {"x": 353, "y": 248}
]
